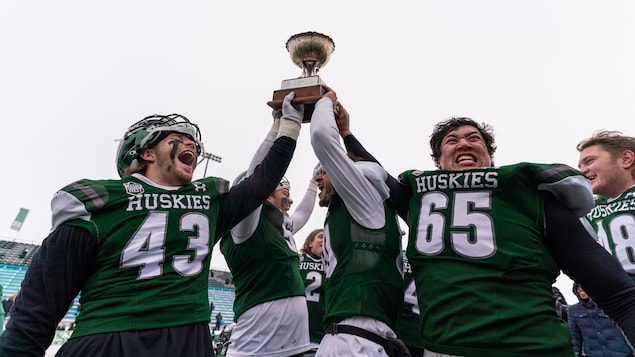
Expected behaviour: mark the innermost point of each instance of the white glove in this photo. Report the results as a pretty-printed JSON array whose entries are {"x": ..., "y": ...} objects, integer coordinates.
[
  {"x": 290, "y": 111},
  {"x": 291, "y": 120}
]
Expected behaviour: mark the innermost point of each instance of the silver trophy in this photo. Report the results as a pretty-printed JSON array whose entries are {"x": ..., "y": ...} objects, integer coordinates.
[{"x": 310, "y": 51}]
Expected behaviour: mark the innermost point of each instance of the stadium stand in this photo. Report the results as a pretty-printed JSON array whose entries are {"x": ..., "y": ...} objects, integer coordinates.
[
  {"x": 15, "y": 253},
  {"x": 16, "y": 256},
  {"x": 11, "y": 277},
  {"x": 223, "y": 299}
]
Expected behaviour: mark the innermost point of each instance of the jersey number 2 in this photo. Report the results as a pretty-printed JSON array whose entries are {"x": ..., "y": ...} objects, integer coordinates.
[{"x": 316, "y": 282}]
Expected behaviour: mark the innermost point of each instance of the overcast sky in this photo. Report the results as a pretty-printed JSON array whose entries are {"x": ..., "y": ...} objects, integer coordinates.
[{"x": 75, "y": 74}]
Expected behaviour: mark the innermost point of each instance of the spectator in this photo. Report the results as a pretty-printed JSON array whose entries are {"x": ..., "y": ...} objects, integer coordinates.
[
  {"x": 592, "y": 332},
  {"x": 8, "y": 304},
  {"x": 312, "y": 271},
  {"x": 219, "y": 320},
  {"x": 561, "y": 303},
  {"x": 222, "y": 343},
  {"x": 138, "y": 248},
  {"x": 608, "y": 159}
]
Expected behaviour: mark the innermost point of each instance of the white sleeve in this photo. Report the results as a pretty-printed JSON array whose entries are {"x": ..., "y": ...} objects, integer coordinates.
[
  {"x": 303, "y": 211},
  {"x": 361, "y": 198},
  {"x": 66, "y": 207}
]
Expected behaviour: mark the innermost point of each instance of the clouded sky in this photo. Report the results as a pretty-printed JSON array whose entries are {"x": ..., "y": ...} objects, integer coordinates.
[{"x": 75, "y": 74}]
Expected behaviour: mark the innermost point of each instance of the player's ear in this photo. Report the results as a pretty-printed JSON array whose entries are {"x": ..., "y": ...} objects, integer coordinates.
[
  {"x": 628, "y": 158},
  {"x": 148, "y": 155}
]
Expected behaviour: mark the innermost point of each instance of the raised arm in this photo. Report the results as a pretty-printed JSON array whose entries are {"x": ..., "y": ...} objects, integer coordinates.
[
  {"x": 303, "y": 210},
  {"x": 586, "y": 262},
  {"x": 246, "y": 228},
  {"x": 399, "y": 193},
  {"x": 244, "y": 198},
  {"x": 362, "y": 199}
]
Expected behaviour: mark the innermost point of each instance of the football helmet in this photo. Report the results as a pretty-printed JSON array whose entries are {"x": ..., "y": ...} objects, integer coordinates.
[
  {"x": 240, "y": 178},
  {"x": 284, "y": 184},
  {"x": 148, "y": 131},
  {"x": 243, "y": 175}
]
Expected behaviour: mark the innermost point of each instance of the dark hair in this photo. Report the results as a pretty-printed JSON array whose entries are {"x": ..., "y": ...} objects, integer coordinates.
[
  {"x": 306, "y": 249},
  {"x": 556, "y": 293},
  {"x": 612, "y": 141},
  {"x": 575, "y": 289},
  {"x": 443, "y": 128}
]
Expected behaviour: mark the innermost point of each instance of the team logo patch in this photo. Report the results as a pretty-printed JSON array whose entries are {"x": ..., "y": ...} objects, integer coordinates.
[
  {"x": 199, "y": 186},
  {"x": 133, "y": 188}
]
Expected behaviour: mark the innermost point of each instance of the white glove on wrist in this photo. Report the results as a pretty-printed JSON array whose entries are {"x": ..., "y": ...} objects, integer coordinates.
[
  {"x": 291, "y": 120},
  {"x": 291, "y": 111}
]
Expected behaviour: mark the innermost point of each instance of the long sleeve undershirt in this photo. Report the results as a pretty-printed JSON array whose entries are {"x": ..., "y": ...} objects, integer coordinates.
[
  {"x": 575, "y": 251},
  {"x": 362, "y": 200},
  {"x": 61, "y": 266}
]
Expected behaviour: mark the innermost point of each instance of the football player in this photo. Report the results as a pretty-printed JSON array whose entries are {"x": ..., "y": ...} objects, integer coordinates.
[
  {"x": 138, "y": 248},
  {"x": 486, "y": 244},
  {"x": 312, "y": 272},
  {"x": 361, "y": 249},
  {"x": 270, "y": 306},
  {"x": 608, "y": 160}
]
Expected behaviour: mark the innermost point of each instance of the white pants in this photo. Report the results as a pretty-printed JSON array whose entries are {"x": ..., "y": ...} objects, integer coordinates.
[{"x": 343, "y": 344}]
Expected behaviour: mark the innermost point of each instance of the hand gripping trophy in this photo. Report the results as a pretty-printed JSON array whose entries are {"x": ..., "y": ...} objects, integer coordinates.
[{"x": 309, "y": 51}]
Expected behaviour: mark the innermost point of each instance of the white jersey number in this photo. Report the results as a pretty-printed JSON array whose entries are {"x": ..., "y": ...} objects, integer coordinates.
[
  {"x": 622, "y": 233},
  {"x": 472, "y": 229},
  {"x": 410, "y": 298},
  {"x": 316, "y": 282},
  {"x": 146, "y": 248}
]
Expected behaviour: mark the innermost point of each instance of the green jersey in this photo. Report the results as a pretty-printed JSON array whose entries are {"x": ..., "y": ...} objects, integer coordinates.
[
  {"x": 482, "y": 268},
  {"x": 614, "y": 222},
  {"x": 154, "y": 251},
  {"x": 363, "y": 267},
  {"x": 408, "y": 324},
  {"x": 313, "y": 275},
  {"x": 266, "y": 266}
]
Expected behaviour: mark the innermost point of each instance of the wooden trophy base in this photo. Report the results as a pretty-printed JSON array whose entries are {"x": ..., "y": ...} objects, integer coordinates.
[{"x": 303, "y": 95}]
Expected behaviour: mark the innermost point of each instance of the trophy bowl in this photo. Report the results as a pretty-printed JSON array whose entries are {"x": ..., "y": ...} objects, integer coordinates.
[{"x": 310, "y": 51}]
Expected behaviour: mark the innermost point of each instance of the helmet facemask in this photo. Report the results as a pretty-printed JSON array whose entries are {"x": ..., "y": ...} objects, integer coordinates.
[
  {"x": 147, "y": 132},
  {"x": 284, "y": 184}
]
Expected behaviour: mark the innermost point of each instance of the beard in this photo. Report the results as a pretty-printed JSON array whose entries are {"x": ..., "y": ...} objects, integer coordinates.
[{"x": 325, "y": 197}]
